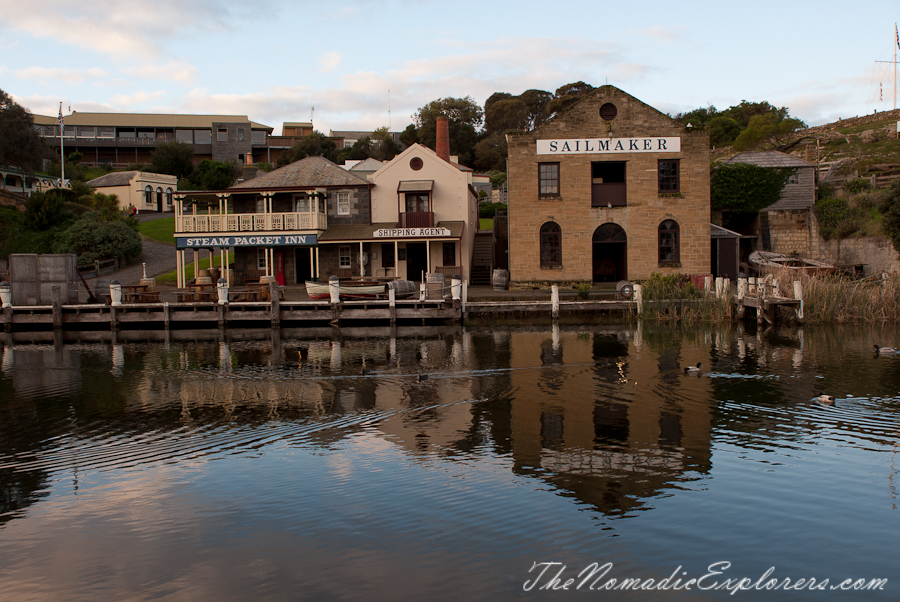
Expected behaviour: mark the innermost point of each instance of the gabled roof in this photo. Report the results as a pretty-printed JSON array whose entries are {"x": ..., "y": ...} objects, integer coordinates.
[
  {"x": 116, "y": 178},
  {"x": 305, "y": 173},
  {"x": 368, "y": 165},
  {"x": 769, "y": 159}
]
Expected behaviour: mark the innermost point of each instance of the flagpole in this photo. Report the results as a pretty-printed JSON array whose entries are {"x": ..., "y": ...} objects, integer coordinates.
[{"x": 62, "y": 151}]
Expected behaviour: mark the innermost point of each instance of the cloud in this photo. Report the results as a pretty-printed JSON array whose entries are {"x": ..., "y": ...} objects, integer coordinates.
[
  {"x": 126, "y": 28},
  {"x": 126, "y": 101},
  {"x": 666, "y": 34},
  {"x": 330, "y": 61},
  {"x": 70, "y": 77},
  {"x": 175, "y": 71}
]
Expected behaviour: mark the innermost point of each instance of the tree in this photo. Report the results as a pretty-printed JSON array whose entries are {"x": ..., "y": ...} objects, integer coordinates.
[
  {"x": 505, "y": 115},
  {"x": 409, "y": 136},
  {"x": 491, "y": 153},
  {"x": 890, "y": 210},
  {"x": 723, "y": 131},
  {"x": 566, "y": 96},
  {"x": 770, "y": 127},
  {"x": 464, "y": 117},
  {"x": 698, "y": 117},
  {"x": 316, "y": 144},
  {"x": 746, "y": 188},
  {"x": 212, "y": 175},
  {"x": 92, "y": 238},
  {"x": 20, "y": 144},
  {"x": 384, "y": 148},
  {"x": 174, "y": 158}
]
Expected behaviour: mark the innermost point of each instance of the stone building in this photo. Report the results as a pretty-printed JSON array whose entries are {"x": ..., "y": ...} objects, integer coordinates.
[{"x": 610, "y": 189}]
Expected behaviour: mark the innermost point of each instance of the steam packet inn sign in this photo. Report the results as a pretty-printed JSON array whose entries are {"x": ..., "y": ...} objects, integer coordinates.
[
  {"x": 582, "y": 146},
  {"x": 208, "y": 242}
]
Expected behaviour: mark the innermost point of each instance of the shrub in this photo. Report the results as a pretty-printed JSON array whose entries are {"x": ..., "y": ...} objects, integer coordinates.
[
  {"x": 858, "y": 185},
  {"x": 92, "y": 239},
  {"x": 489, "y": 210},
  {"x": 837, "y": 219}
]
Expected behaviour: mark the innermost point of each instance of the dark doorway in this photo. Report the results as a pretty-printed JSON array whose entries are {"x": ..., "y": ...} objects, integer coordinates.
[
  {"x": 302, "y": 264},
  {"x": 416, "y": 260},
  {"x": 610, "y": 253}
]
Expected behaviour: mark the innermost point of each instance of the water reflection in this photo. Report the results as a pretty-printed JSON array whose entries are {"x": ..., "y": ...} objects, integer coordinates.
[{"x": 600, "y": 418}]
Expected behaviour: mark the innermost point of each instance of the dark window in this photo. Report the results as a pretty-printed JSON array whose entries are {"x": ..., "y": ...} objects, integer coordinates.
[
  {"x": 186, "y": 136},
  {"x": 608, "y": 111},
  {"x": 416, "y": 163},
  {"x": 548, "y": 179},
  {"x": 387, "y": 255},
  {"x": 159, "y": 197},
  {"x": 551, "y": 244},
  {"x": 168, "y": 196},
  {"x": 240, "y": 134},
  {"x": 668, "y": 242},
  {"x": 668, "y": 176},
  {"x": 257, "y": 137},
  {"x": 449, "y": 253},
  {"x": 148, "y": 195},
  {"x": 416, "y": 202},
  {"x": 608, "y": 184},
  {"x": 221, "y": 135}
]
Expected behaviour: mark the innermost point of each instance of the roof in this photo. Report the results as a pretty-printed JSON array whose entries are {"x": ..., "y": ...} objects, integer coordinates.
[
  {"x": 415, "y": 186},
  {"x": 305, "y": 173},
  {"x": 358, "y": 232},
  {"x": 367, "y": 165},
  {"x": 116, "y": 178},
  {"x": 158, "y": 120},
  {"x": 769, "y": 159},
  {"x": 720, "y": 232}
]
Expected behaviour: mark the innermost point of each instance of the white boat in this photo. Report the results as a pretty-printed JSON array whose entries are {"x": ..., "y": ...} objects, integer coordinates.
[
  {"x": 767, "y": 262},
  {"x": 348, "y": 289}
]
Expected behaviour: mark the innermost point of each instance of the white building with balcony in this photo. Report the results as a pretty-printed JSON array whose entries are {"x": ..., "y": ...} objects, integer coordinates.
[{"x": 275, "y": 223}]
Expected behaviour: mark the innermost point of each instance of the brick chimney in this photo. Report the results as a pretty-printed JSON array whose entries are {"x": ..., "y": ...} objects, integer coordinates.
[{"x": 442, "y": 143}]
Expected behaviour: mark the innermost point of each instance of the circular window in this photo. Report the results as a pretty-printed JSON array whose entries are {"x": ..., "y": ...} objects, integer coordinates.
[
  {"x": 608, "y": 112},
  {"x": 416, "y": 163}
]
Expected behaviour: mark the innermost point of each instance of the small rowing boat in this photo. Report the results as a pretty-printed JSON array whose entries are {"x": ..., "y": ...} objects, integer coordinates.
[
  {"x": 348, "y": 289},
  {"x": 767, "y": 262}
]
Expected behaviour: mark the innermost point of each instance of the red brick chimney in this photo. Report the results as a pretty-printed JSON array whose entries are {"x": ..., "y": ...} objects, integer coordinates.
[{"x": 442, "y": 143}]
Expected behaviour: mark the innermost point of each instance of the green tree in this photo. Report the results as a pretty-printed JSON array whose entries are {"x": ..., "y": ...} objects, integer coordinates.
[
  {"x": 464, "y": 117},
  {"x": 746, "y": 188},
  {"x": 212, "y": 175},
  {"x": 409, "y": 136},
  {"x": 20, "y": 144},
  {"x": 766, "y": 128},
  {"x": 92, "y": 238},
  {"x": 890, "y": 211},
  {"x": 566, "y": 96},
  {"x": 505, "y": 115},
  {"x": 536, "y": 102},
  {"x": 384, "y": 148},
  {"x": 312, "y": 145},
  {"x": 46, "y": 210},
  {"x": 174, "y": 158},
  {"x": 723, "y": 131},
  {"x": 698, "y": 117},
  {"x": 491, "y": 153}
]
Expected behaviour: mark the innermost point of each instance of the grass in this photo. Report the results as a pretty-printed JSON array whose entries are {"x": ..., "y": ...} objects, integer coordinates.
[
  {"x": 189, "y": 269},
  {"x": 160, "y": 230},
  {"x": 485, "y": 223},
  {"x": 833, "y": 300}
]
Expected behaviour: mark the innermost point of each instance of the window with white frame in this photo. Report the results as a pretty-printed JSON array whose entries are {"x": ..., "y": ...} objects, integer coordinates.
[
  {"x": 343, "y": 204},
  {"x": 302, "y": 203},
  {"x": 794, "y": 178},
  {"x": 344, "y": 254},
  {"x": 260, "y": 259}
]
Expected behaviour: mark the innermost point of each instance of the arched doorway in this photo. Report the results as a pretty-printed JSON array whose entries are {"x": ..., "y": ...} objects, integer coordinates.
[{"x": 610, "y": 245}]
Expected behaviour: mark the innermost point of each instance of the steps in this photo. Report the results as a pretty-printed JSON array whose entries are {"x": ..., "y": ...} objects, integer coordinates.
[{"x": 482, "y": 259}]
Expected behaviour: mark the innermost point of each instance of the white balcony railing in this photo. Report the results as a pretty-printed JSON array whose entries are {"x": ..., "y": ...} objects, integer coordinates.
[{"x": 251, "y": 222}]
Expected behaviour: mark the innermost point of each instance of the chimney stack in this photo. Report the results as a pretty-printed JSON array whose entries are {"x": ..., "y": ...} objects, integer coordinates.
[{"x": 442, "y": 143}]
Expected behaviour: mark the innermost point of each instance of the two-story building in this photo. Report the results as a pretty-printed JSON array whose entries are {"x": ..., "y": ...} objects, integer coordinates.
[
  {"x": 610, "y": 189},
  {"x": 275, "y": 222}
]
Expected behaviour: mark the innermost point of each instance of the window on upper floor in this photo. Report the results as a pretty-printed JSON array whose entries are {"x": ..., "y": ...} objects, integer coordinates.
[
  {"x": 794, "y": 178},
  {"x": 302, "y": 203},
  {"x": 186, "y": 136},
  {"x": 202, "y": 137},
  {"x": 551, "y": 245},
  {"x": 608, "y": 184},
  {"x": 668, "y": 242},
  {"x": 548, "y": 179},
  {"x": 343, "y": 203},
  {"x": 668, "y": 171},
  {"x": 417, "y": 202},
  {"x": 240, "y": 134},
  {"x": 221, "y": 135}
]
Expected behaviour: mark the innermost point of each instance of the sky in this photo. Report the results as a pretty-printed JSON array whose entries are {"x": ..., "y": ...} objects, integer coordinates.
[{"x": 354, "y": 65}]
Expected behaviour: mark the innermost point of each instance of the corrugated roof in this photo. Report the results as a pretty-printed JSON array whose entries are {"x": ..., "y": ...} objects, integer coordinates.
[
  {"x": 769, "y": 159},
  {"x": 415, "y": 186},
  {"x": 308, "y": 172},
  {"x": 158, "y": 120},
  {"x": 116, "y": 178}
]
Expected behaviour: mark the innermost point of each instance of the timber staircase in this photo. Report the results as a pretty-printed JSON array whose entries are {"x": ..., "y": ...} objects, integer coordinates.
[{"x": 482, "y": 258}]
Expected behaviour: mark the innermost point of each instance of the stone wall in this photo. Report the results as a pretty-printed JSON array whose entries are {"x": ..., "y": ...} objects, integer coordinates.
[{"x": 786, "y": 231}]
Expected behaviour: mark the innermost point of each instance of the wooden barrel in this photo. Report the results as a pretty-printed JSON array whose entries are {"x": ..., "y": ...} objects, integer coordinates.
[
  {"x": 500, "y": 280},
  {"x": 402, "y": 288},
  {"x": 203, "y": 277},
  {"x": 434, "y": 286}
]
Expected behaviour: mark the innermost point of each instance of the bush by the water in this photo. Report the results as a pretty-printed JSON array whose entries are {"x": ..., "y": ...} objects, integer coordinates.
[{"x": 92, "y": 239}]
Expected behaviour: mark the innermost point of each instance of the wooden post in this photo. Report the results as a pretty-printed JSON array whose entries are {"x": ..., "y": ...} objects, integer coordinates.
[
  {"x": 166, "y": 315},
  {"x": 56, "y": 295},
  {"x": 719, "y": 286},
  {"x": 798, "y": 294},
  {"x": 274, "y": 300},
  {"x": 741, "y": 292},
  {"x": 639, "y": 298},
  {"x": 554, "y": 302},
  {"x": 760, "y": 296},
  {"x": 392, "y": 303},
  {"x": 707, "y": 284}
]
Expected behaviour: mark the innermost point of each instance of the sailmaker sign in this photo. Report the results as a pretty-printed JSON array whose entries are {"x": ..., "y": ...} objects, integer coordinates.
[{"x": 583, "y": 146}]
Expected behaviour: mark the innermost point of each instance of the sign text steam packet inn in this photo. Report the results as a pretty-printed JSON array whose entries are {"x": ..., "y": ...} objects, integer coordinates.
[
  {"x": 205, "y": 242},
  {"x": 577, "y": 146}
]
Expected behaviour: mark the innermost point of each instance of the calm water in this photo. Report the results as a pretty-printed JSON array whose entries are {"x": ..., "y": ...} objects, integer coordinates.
[{"x": 312, "y": 467}]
